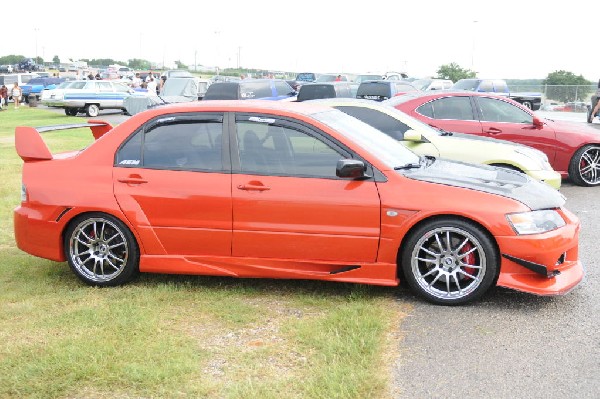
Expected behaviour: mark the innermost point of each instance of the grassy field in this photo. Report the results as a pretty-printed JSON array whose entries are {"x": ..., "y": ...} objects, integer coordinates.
[{"x": 179, "y": 336}]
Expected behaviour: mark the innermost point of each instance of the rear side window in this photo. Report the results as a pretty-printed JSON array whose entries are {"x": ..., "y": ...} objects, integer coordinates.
[{"x": 457, "y": 108}]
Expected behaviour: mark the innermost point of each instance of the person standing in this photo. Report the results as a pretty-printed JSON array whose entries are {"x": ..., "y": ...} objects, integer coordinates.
[
  {"x": 3, "y": 96},
  {"x": 151, "y": 86},
  {"x": 16, "y": 94}
]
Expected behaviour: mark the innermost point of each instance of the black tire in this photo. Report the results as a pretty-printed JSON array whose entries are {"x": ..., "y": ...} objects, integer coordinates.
[
  {"x": 584, "y": 167},
  {"x": 101, "y": 250},
  {"x": 92, "y": 110},
  {"x": 449, "y": 261},
  {"x": 527, "y": 104},
  {"x": 71, "y": 111}
]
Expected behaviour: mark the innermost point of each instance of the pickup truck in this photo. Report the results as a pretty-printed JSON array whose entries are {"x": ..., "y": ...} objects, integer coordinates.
[
  {"x": 36, "y": 85},
  {"x": 533, "y": 101}
]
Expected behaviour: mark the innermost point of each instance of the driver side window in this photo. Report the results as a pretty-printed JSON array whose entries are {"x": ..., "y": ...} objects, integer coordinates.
[{"x": 493, "y": 110}]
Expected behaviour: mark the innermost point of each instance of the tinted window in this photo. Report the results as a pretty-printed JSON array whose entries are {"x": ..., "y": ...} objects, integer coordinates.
[
  {"x": 314, "y": 91},
  {"x": 283, "y": 88},
  {"x": 278, "y": 150},
  {"x": 379, "y": 120},
  {"x": 449, "y": 108},
  {"x": 493, "y": 110},
  {"x": 378, "y": 91},
  {"x": 254, "y": 90},
  {"x": 222, "y": 91},
  {"x": 188, "y": 145}
]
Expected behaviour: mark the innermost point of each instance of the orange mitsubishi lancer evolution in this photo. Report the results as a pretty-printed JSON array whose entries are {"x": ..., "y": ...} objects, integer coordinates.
[{"x": 292, "y": 191}]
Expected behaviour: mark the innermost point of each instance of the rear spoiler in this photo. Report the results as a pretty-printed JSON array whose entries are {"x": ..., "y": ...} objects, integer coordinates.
[{"x": 31, "y": 147}]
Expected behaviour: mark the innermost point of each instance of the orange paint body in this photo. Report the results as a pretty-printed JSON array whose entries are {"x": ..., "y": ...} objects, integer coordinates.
[{"x": 233, "y": 223}]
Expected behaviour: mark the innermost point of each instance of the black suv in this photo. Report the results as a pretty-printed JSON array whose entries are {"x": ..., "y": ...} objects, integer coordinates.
[
  {"x": 313, "y": 91},
  {"x": 380, "y": 90},
  {"x": 250, "y": 89}
]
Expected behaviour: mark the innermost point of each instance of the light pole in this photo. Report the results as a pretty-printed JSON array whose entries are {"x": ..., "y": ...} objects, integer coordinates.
[{"x": 36, "y": 44}]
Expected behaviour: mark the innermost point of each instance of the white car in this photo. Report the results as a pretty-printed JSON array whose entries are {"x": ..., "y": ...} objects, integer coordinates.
[{"x": 89, "y": 96}]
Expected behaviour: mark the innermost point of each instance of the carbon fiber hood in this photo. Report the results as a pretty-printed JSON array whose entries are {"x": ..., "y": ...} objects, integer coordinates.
[{"x": 507, "y": 183}]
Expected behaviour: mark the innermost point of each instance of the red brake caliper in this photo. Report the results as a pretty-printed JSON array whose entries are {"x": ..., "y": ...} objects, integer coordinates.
[{"x": 469, "y": 259}]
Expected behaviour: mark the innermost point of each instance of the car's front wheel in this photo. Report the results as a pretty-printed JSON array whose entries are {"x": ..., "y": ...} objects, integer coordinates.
[
  {"x": 584, "y": 168},
  {"x": 101, "y": 250},
  {"x": 92, "y": 110},
  {"x": 449, "y": 261}
]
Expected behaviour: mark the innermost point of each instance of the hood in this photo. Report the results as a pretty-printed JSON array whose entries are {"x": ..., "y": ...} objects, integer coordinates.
[{"x": 499, "y": 181}]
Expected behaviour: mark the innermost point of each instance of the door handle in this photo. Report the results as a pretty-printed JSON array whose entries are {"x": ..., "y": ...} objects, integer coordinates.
[
  {"x": 253, "y": 187},
  {"x": 132, "y": 180},
  {"x": 493, "y": 130}
]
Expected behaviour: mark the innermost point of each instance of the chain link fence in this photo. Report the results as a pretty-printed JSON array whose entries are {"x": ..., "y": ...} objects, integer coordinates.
[{"x": 560, "y": 94}]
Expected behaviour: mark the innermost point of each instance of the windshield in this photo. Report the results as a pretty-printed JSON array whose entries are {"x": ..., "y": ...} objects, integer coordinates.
[
  {"x": 466, "y": 84},
  {"x": 377, "y": 143},
  {"x": 421, "y": 84}
]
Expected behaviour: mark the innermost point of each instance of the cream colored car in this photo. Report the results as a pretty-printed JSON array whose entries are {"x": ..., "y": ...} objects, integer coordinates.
[{"x": 425, "y": 140}]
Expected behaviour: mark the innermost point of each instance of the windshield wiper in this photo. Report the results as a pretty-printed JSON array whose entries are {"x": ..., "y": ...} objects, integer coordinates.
[
  {"x": 410, "y": 165},
  {"x": 445, "y": 132}
]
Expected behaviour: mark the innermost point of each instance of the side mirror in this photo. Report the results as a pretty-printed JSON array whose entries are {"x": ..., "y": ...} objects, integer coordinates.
[
  {"x": 537, "y": 123},
  {"x": 350, "y": 168},
  {"x": 412, "y": 135}
]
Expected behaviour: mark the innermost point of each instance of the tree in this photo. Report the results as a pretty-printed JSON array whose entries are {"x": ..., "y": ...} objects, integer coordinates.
[
  {"x": 56, "y": 60},
  {"x": 566, "y": 86},
  {"x": 180, "y": 65},
  {"x": 136, "y": 63},
  {"x": 11, "y": 59},
  {"x": 39, "y": 60},
  {"x": 454, "y": 72}
]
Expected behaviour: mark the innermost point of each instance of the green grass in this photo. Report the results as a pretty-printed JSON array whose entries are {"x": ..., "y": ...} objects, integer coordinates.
[{"x": 178, "y": 336}]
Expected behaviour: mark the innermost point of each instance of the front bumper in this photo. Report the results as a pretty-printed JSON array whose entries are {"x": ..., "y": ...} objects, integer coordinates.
[
  {"x": 550, "y": 177},
  {"x": 542, "y": 264}
]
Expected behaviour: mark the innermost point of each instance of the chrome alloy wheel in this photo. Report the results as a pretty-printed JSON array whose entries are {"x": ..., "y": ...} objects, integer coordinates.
[
  {"x": 98, "y": 250},
  {"x": 448, "y": 263},
  {"x": 589, "y": 165}
]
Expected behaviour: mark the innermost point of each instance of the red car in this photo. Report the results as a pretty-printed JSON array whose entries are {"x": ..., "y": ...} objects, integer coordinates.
[
  {"x": 287, "y": 190},
  {"x": 573, "y": 149}
]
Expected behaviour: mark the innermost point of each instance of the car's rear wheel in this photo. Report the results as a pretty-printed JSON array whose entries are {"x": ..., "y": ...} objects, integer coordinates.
[
  {"x": 101, "y": 250},
  {"x": 449, "y": 261},
  {"x": 71, "y": 111},
  {"x": 92, "y": 110},
  {"x": 584, "y": 168},
  {"x": 527, "y": 104}
]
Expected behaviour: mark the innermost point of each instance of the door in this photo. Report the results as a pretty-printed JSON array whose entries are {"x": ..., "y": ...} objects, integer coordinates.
[
  {"x": 505, "y": 121},
  {"x": 173, "y": 180},
  {"x": 288, "y": 202}
]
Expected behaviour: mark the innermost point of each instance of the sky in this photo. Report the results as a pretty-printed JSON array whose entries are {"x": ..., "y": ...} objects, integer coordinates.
[{"x": 504, "y": 39}]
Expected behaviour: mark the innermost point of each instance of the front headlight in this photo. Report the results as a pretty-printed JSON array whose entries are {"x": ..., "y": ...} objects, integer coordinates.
[{"x": 535, "y": 222}]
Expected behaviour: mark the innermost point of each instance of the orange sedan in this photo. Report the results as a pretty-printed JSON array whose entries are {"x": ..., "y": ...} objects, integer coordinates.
[{"x": 287, "y": 190}]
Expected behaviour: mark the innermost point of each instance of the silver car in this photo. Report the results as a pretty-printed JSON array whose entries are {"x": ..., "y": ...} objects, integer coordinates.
[{"x": 89, "y": 96}]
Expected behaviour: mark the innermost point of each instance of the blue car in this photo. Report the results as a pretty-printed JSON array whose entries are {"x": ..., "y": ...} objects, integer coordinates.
[{"x": 36, "y": 85}]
